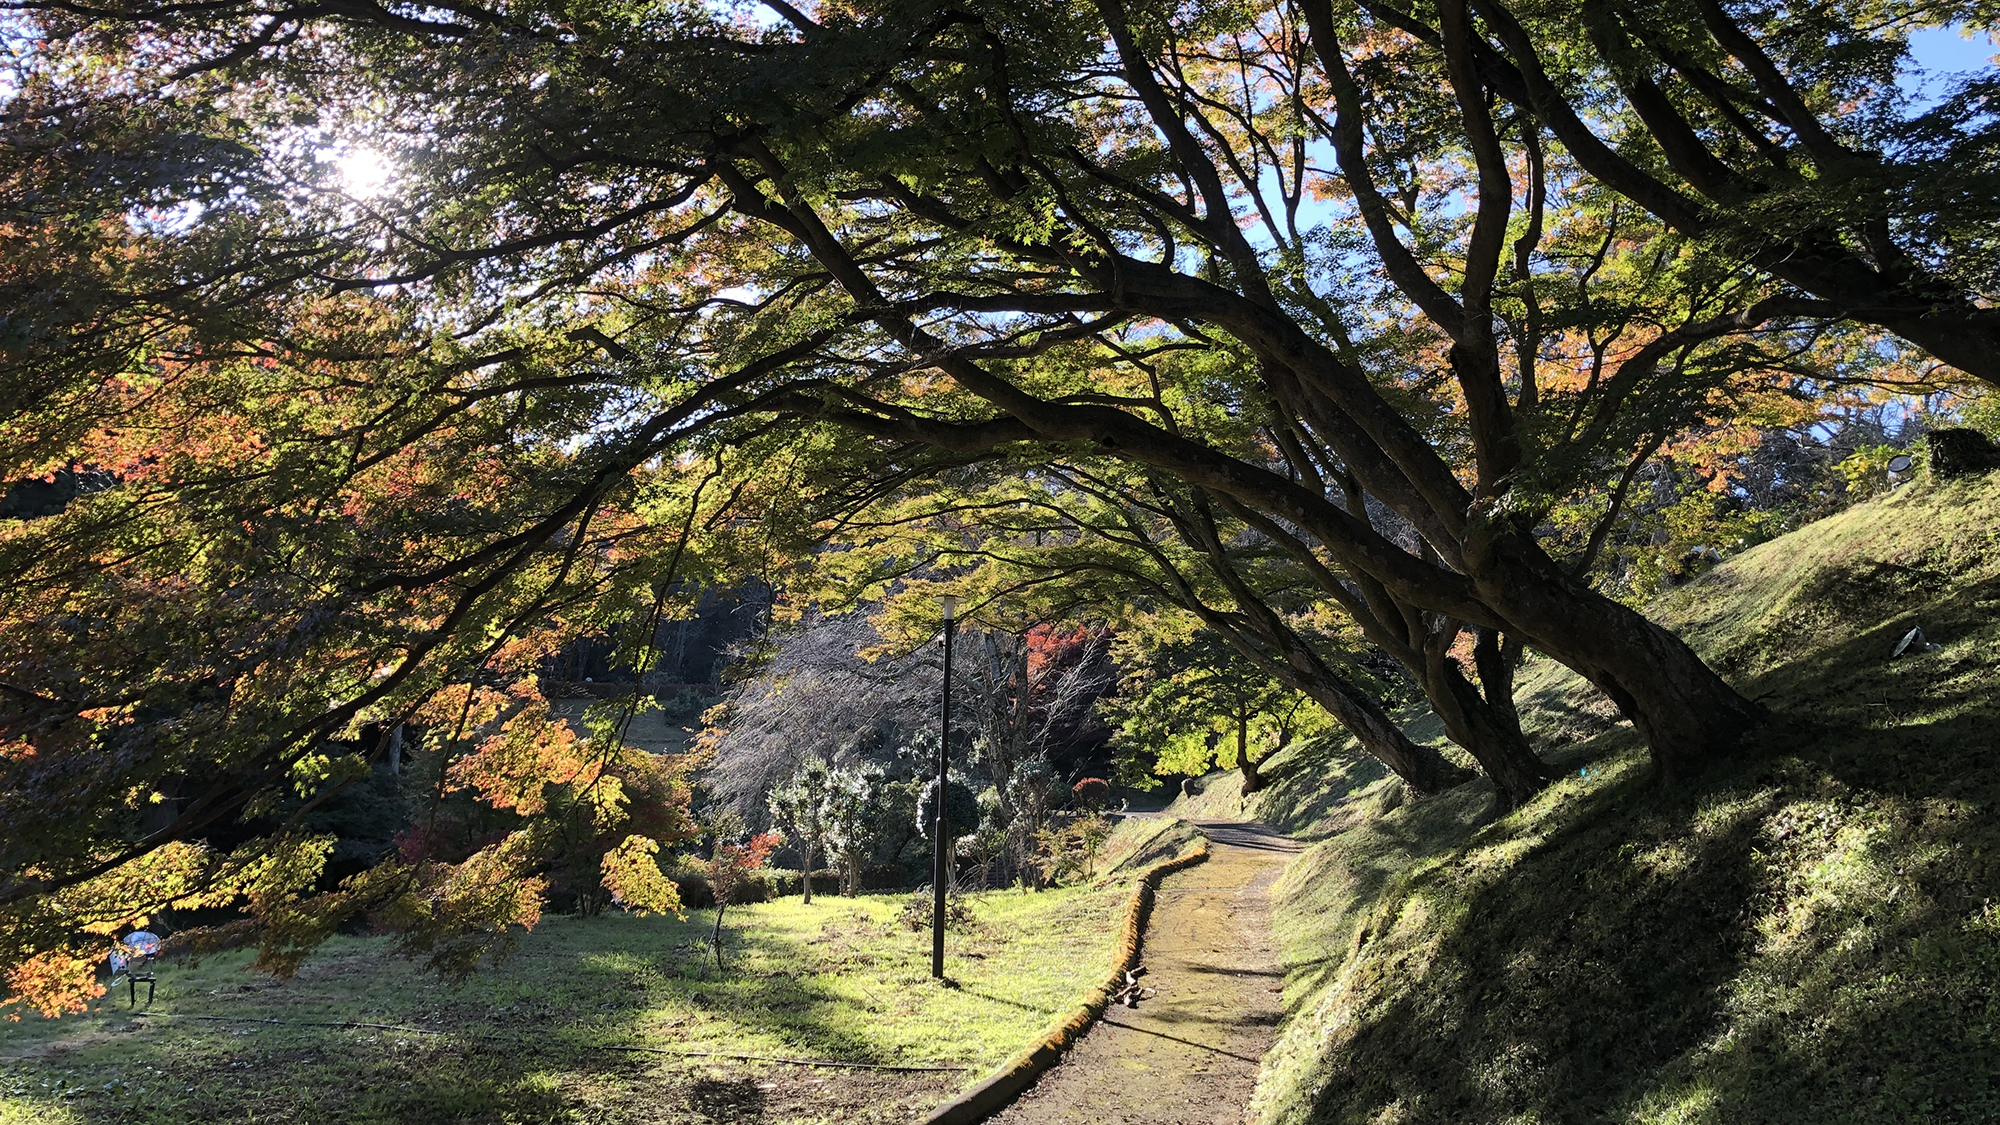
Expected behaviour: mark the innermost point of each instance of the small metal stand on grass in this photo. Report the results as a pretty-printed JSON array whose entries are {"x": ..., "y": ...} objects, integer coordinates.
[
  {"x": 135, "y": 955},
  {"x": 133, "y": 980}
]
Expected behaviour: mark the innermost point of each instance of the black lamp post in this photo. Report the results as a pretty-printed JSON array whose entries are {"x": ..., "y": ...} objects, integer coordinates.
[{"x": 941, "y": 838}]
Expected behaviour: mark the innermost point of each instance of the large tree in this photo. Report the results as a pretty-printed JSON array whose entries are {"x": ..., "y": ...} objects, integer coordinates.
[
  {"x": 1104, "y": 541},
  {"x": 1188, "y": 702},
  {"x": 366, "y": 441},
  {"x": 1781, "y": 133}
]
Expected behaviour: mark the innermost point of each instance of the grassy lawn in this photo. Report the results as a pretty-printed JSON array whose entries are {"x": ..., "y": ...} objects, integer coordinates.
[
  {"x": 1810, "y": 933},
  {"x": 524, "y": 1042}
]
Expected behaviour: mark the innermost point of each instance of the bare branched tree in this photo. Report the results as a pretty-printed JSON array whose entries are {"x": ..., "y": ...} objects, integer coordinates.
[
  {"x": 1017, "y": 698},
  {"x": 1028, "y": 692},
  {"x": 813, "y": 693}
]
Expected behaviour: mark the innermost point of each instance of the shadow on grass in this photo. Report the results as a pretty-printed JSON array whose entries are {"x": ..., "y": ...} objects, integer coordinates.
[
  {"x": 1338, "y": 774},
  {"x": 1807, "y": 934},
  {"x": 984, "y": 995},
  {"x": 475, "y": 1086},
  {"x": 726, "y": 1099},
  {"x": 1797, "y": 938},
  {"x": 801, "y": 1009},
  {"x": 521, "y": 1044}
]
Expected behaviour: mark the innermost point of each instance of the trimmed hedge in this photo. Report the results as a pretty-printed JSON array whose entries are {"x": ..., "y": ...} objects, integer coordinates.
[{"x": 778, "y": 882}]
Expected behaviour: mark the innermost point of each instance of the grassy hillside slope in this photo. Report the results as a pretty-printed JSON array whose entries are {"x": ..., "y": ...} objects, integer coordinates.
[{"x": 1807, "y": 934}]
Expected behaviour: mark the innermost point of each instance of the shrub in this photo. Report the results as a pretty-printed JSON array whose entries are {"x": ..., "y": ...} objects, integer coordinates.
[
  {"x": 731, "y": 868},
  {"x": 916, "y": 915},
  {"x": 690, "y": 876},
  {"x": 1069, "y": 851},
  {"x": 694, "y": 891},
  {"x": 885, "y": 877},
  {"x": 1091, "y": 794},
  {"x": 961, "y": 808},
  {"x": 781, "y": 881}
]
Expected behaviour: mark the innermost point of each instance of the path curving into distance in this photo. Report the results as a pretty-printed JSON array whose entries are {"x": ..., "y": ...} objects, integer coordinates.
[{"x": 1189, "y": 1055}]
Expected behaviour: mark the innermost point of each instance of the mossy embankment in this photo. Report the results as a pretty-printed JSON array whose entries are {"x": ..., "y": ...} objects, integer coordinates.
[{"x": 1808, "y": 933}]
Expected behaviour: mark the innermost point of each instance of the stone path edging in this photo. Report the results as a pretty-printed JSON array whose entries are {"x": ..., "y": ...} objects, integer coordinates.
[{"x": 1017, "y": 1074}]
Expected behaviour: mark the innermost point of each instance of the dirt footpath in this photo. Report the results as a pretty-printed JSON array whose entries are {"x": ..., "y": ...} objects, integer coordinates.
[{"x": 1189, "y": 1055}]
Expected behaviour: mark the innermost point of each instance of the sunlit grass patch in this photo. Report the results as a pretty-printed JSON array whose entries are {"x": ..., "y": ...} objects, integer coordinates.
[
  {"x": 31, "y": 1106},
  {"x": 527, "y": 1040},
  {"x": 1693, "y": 1103},
  {"x": 1806, "y": 935}
]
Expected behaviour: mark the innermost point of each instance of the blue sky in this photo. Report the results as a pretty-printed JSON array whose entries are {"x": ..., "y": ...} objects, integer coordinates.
[
  {"x": 1940, "y": 52},
  {"x": 1941, "y": 48}
]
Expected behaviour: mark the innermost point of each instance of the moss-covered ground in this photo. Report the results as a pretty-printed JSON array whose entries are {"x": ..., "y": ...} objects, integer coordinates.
[
  {"x": 1808, "y": 933},
  {"x": 528, "y": 1040}
]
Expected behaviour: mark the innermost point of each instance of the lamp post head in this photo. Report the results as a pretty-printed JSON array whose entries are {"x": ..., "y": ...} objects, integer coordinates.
[{"x": 950, "y": 604}]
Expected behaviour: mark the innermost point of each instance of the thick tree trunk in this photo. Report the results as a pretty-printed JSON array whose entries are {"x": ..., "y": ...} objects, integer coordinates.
[
  {"x": 1252, "y": 780},
  {"x": 1495, "y": 657},
  {"x": 1485, "y": 733},
  {"x": 1965, "y": 337},
  {"x": 1422, "y": 768},
  {"x": 1492, "y": 573},
  {"x": 1688, "y": 716}
]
